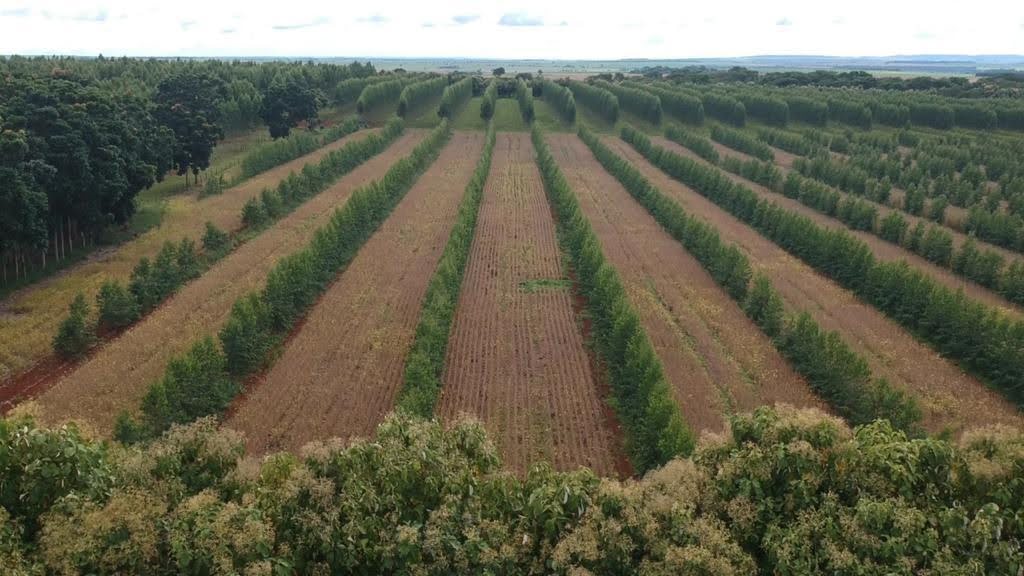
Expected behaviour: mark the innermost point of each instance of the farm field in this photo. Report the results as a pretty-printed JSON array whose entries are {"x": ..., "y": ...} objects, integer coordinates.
[
  {"x": 339, "y": 375},
  {"x": 516, "y": 357},
  {"x": 29, "y": 317},
  {"x": 116, "y": 376},
  {"x": 940, "y": 387},
  {"x": 886, "y": 251},
  {"x": 717, "y": 360}
]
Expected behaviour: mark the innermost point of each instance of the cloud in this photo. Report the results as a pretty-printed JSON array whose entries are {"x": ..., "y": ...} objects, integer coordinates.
[
  {"x": 783, "y": 22},
  {"x": 563, "y": 23},
  {"x": 25, "y": 11},
  {"x": 461, "y": 19},
  {"x": 839, "y": 20},
  {"x": 372, "y": 19},
  {"x": 427, "y": 25},
  {"x": 320, "y": 21},
  {"x": 519, "y": 19},
  {"x": 186, "y": 24},
  {"x": 228, "y": 30}
]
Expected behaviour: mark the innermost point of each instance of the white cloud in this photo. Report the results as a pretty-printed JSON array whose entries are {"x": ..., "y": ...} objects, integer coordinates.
[{"x": 471, "y": 29}]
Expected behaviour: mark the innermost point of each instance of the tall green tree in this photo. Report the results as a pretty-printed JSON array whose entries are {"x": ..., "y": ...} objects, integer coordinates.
[{"x": 189, "y": 104}]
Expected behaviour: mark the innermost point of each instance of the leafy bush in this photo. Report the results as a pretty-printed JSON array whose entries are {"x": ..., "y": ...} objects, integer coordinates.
[
  {"x": 781, "y": 491},
  {"x": 195, "y": 384},
  {"x": 740, "y": 141},
  {"x": 490, "y": 100},
  {"x": 296, "y": 145},
  {"x": 700, "y": 145},
  {"x": 117, "y": 306},
  {"x": 454, "y": 96},
  {"x": 215, "y": 240},
  {"x": 560, "y": 97},
  {"x": 603, "y": 102},
  {"x": 418, "y": 93},
  {"x": 75, "y": 334}
]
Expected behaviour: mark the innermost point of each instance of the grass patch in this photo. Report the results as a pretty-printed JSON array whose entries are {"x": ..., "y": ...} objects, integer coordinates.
[
  {"x": 468, "y": 117},
  {"x": 507, "y": 116},
  {"x": 535, "y": 285},
  {"x": 381, "y": 113}
]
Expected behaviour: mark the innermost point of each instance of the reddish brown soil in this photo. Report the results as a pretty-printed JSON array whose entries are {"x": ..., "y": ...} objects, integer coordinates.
[
  {"x": 883, "y": 250},
  {"x": 717, "y": 360},
  {"x": 348, "y": 358},
  {"x": 948, "y": 397},
  {"x": 118, "y": 375},
  {"x": 516, "y": 356}
]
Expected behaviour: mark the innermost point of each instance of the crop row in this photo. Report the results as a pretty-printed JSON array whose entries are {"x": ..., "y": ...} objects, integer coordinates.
[
  {"x": 982, "y": 340},
  {"x": 656, "y": 430},
  {"x": 836, "y": 373}
]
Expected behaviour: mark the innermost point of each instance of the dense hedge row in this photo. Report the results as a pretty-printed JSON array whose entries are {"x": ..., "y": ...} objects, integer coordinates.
[
  {"x": 782, "y": 491},
  {"x": 560, "y": 97},
  {"x": 981, "y": 339},
  {"x": 741, "y": 141},
  {"x": 808, "y": 110},
  {"x": 424, "y": 365},
  {"x": 844, "y": 176},
  {"x": 490, "y": 101},
  {"x": 683, "y": 107},
  {"x": 767, "y": 109},
  {"x": 419, "y": 93},
  {"x": 724, "y": 108},
  {"x": 297, "y": 144},
  {"x": 788, "y": 141},
  {"x": 454, "y": 96},
  {"x": 315, "y": 178},
  {"x": 377, "y": 93},
  {"x": 205, "y": 379},
  {"x": 639, "y": 102},
  {"x": 700, "y": 145},
  {"x": 347, "y": 91},
  {"x": 525, "y": 97},
  {"x": 834, "y": 371},
  {"x": 656, "y": 431},
  {"x": 601, "y": 101},
  {"x": 849, "y": 112}
]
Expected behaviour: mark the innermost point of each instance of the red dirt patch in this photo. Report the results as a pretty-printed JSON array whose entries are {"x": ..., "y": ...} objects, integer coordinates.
[{"x": 516, "y": 356}]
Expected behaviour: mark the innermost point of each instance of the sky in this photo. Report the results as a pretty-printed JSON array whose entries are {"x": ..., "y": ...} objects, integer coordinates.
[{"x": 548, "y": 29}]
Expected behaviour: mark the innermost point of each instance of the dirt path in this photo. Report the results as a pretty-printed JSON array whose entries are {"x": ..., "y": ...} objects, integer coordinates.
[
  {"x": 30, "y": 317},
  {"x": 117, "y": 376},
  {"x": 883, "y": 250},
  {"x": 516, "y": 357},
  {"x": 717, "y": 360},
  {"x": 347, "y": 361},
  {"x": 948, "y": 397}
]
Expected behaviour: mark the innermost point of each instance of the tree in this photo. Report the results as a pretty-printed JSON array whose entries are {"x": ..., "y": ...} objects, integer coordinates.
[
  {"x": 117, "y": 307},
  {"x": 287, "y": 101},
  {"x": 74, "y": 336},
  {"x": 499, "y": 71},
  {"x": 764, "y": 306},
  {"x": 189, "y": 104}
]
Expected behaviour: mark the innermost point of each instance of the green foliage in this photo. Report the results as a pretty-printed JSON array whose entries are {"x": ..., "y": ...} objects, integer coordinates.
[
  {"x": 248, "y": 335},
  {"x": 75, "y": 334},
  {"x": 656, "y": 431},
  {"x": 454, "y": 96},
  {"x": 289, "y": 99},
  {"x": 560, "y": 97},
  {"x": 490, "y": 100},
  {"x": 683, "y": 107},
  {"x": 378, "y": 93},
  {"x": 195, "y": 384},
  {"x": 297, "y": 145},
  {"x": 215, "y": 240},
  {"x": 782, "y": 491},
  {"x": 788, "y": 141},
  {"x": 741, "y": 141},
  {"x": 981, "y": 339},
  {"x": 724, "y": 108},
  {"x": 700, "y": 145},
  {"x": 764, "y": 306},
  {"x": 116, "y": 305},
  {"x": 643, "y": 104},
  {"x": 424, "y": 365},
  {"x": 525, "y": 98},
  {"x": 417, "y": 94},
  {"x": 600, "y": 100}
]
